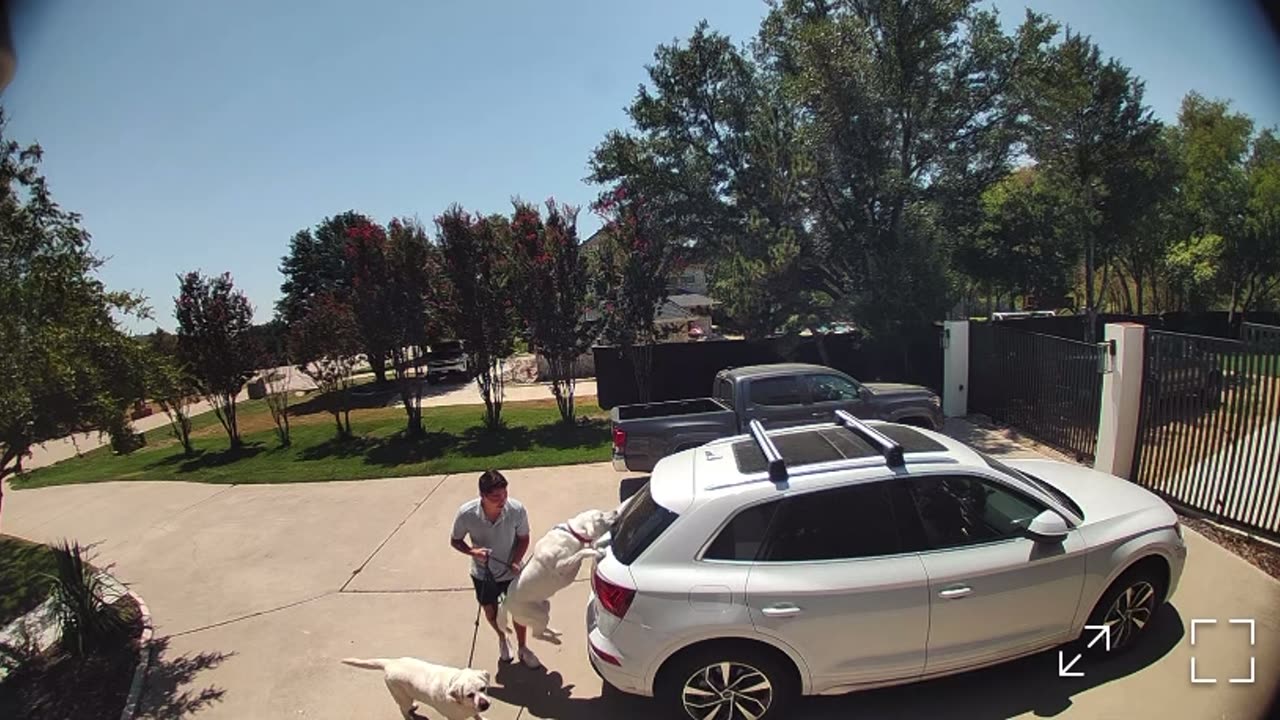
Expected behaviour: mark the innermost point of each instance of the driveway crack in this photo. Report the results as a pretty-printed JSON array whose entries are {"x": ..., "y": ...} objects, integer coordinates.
[
  {"x": 387, "y": 539},
  {"x": 252, "y": 615}
]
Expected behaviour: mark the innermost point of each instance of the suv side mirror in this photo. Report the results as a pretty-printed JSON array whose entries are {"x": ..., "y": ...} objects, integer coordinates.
[{"x": 1047, "y": 527}]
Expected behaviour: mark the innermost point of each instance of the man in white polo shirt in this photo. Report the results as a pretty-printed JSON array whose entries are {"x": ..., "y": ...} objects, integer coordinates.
[{"x": 498, "y": 528}]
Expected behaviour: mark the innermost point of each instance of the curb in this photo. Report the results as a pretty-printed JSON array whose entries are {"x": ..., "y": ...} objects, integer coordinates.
[{"x": 144, "y": 658}]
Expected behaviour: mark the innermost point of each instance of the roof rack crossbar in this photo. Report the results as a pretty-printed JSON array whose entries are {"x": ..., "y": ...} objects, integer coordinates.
[
  {"x": 777, "y": 466},
  {"x": 890, "y": 449}
]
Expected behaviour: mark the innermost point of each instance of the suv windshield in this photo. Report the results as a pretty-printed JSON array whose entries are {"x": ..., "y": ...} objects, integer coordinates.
[
  {"x": 640, "y": 523},
  {"x": 1044, "y": 487}
]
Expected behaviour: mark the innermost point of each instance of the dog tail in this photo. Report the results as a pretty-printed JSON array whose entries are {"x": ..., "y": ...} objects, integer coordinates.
[{"x": 373, "y": 664}]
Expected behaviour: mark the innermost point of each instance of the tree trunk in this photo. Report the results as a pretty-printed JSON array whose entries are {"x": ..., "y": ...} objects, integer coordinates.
[
  {"x": 378, "y": 363},
  {"x": 1235, "y": 297},
  {"x": 1091, "y": 307},
  {"x": 1137, "y": 284},
  {"x": 822, "y": 347}
]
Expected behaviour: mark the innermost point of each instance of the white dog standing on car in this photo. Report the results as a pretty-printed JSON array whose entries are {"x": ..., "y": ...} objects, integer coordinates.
[
  {"x": 556, "y": 559},
  {"x": 454, "y": 693}
]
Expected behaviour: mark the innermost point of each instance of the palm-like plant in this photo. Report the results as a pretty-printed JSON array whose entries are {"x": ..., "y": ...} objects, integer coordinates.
[{"x": 87, "y": 620}]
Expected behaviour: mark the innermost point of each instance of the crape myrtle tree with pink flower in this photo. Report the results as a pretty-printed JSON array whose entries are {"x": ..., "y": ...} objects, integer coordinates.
[
  {"x": 480, "y": 298},
  {"x": 215, "y": 340},
  {"x": 631, "y": 268},
  {"x": 552, "y": 292}
]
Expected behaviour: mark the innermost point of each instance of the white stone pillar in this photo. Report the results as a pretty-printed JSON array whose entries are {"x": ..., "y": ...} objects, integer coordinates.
[
  {"x": 1121, "y": 400},
  {"x": 955, "y": 368}
]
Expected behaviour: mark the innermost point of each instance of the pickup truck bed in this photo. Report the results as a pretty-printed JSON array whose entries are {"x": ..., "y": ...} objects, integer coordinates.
[{"x": 779, "y": 395}]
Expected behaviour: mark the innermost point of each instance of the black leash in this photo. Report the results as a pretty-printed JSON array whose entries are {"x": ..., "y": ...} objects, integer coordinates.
[{"x": 487, "y": 582}]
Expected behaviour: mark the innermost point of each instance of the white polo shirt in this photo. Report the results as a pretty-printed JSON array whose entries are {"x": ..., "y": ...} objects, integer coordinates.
[{"x": 499, "y": 536}]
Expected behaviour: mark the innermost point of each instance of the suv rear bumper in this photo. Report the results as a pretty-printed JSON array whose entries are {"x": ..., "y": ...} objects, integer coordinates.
[{"x": 599, "y": 647}]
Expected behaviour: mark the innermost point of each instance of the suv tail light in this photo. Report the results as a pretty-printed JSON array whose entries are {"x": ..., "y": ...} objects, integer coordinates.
[
  {"x": 614, "y": 598},
  {"x": 619, "y": 439}
]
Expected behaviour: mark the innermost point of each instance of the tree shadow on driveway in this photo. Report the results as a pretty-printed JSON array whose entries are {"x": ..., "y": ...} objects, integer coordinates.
[
  {"x": 1030, "y": 685},
  {"x": 168, "y": 692}
]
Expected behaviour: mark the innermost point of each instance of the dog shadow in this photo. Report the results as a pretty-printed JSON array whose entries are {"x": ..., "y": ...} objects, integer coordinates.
[{"x": 543, "y": 693}]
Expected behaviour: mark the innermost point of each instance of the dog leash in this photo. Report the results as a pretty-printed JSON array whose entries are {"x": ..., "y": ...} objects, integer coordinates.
[{"x": 487, "y": 582}]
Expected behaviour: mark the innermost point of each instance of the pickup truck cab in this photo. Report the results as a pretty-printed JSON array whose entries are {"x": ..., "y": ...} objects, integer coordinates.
[{"x": 778, "y": 395}]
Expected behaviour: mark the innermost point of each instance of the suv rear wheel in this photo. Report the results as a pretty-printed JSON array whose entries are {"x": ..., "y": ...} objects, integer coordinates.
[{"x": 727, "y": 681}]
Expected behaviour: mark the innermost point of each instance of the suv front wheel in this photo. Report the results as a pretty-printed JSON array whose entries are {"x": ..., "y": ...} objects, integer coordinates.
[{"x": 728, "y": 681}]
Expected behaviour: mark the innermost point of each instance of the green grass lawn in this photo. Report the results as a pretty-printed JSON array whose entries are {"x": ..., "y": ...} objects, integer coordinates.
[
  {"x": 22, "y": 585},
  {"x": 455, "y": 441}
]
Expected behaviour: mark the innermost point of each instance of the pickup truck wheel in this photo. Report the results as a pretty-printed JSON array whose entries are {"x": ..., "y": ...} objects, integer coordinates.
[{"x": 727, "y": 682}]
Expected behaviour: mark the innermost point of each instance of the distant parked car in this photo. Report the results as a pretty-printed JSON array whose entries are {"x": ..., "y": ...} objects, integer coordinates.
[
  {"x": 447, "y": 360},
  {"x": 839, "y": 556},
  {"x": 1181, "y": 370}
]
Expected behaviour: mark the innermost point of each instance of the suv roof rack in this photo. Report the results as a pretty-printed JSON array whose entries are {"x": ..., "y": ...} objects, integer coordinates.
[
  {"x": 777, "y": 466},
  {"x": 890, "y": 449}
]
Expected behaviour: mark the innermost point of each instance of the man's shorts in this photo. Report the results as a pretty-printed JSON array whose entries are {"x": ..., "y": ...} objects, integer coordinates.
[{"x": 488, "y": 592}]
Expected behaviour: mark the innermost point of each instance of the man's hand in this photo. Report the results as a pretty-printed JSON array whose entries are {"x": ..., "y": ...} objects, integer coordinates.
[
  {"x": 516, "y": 566},
  {"x": 479, "y": 553}
]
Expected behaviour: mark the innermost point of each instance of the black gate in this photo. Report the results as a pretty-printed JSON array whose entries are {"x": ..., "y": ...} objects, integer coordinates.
[
  {"x": 1209, "y": 433},
  {"x": 1048, "y": 387}
]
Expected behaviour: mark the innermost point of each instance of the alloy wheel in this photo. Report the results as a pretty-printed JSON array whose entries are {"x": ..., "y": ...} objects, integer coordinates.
[
  {"x": 1130, "y": 613},
  {"x": 727, "y": 691}
]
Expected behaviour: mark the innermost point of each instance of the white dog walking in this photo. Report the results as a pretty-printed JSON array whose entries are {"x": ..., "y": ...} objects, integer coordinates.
[
  {"x": 454, "y": 693},
  {"x": 556, "y": 559}
]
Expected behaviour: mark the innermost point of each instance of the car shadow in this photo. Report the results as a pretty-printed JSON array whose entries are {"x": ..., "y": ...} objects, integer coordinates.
[{"x": 1029, "y": 685}]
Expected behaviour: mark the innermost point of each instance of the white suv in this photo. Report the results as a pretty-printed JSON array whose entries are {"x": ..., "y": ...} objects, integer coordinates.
[{"x": 830, "y": 558}]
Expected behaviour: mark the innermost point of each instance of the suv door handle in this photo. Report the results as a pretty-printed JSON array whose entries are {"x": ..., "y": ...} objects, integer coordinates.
[
  {"x": 780, "y": 610},
  {"x": 955, "y": 592}
]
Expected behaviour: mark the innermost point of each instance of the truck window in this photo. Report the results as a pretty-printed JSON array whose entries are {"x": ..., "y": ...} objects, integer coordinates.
[
  {"x": 833, "y": 388},
  {"x": 778, "y": 391},
  {"x": 723, "y": 391}
]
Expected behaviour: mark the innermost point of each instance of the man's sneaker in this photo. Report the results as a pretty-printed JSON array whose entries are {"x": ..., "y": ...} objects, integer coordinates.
[
  {"x": 504, "y": 650},
  {"x": 529, "y": 659}
]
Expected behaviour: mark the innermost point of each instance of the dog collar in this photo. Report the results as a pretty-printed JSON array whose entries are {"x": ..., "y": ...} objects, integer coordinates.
[{"x": 576, "y": 536}]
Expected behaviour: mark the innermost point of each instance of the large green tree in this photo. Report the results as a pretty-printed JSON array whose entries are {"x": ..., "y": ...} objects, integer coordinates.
[
  {"x": 1091, "y": 129},
  {"x": 1018, "y": 249},
  {"x": 819, "y": 168},
  {"x": 67, "y": 365}
]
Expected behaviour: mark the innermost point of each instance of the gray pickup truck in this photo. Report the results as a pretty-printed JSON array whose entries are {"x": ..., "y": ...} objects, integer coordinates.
[{"x": 777, "y": 395}]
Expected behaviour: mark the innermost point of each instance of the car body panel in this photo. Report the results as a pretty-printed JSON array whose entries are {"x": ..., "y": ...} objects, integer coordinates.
[{"x": 854, "y": 621}]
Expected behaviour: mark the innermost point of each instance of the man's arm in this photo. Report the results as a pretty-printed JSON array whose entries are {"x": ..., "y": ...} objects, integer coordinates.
[
  {"x": 517, "y": 553},
  {"x": 522, "y": 538}
]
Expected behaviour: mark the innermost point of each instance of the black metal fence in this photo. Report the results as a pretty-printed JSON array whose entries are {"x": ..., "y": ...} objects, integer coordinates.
[
  {"x": 1048, "y": 387},
  {"x": 1209, "y": 432},
  {"x": 682, "y": 371}
]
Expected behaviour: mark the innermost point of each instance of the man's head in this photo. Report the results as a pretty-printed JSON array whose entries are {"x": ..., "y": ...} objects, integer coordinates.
[{"x": 493, "y": 488}]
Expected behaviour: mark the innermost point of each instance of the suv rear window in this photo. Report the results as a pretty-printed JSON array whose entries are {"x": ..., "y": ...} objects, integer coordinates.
[{"x": 640, "y": 523}]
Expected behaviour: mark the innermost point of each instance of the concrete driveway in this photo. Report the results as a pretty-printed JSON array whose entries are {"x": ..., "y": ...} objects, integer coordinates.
[{"x": 257, "y": 591}]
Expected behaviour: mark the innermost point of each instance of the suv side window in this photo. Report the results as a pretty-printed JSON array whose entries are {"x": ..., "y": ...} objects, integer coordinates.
[
  {"x": 743, "y": 537},
  {"x": 833, "y": 388},
  {"x": 776, "y": 391},
  {"x": 958, "y": 510},
  {"x": 856, "y": 521}
]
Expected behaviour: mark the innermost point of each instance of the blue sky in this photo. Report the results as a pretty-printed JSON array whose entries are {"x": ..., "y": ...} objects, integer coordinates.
[{"x": 203, "y": 135}]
